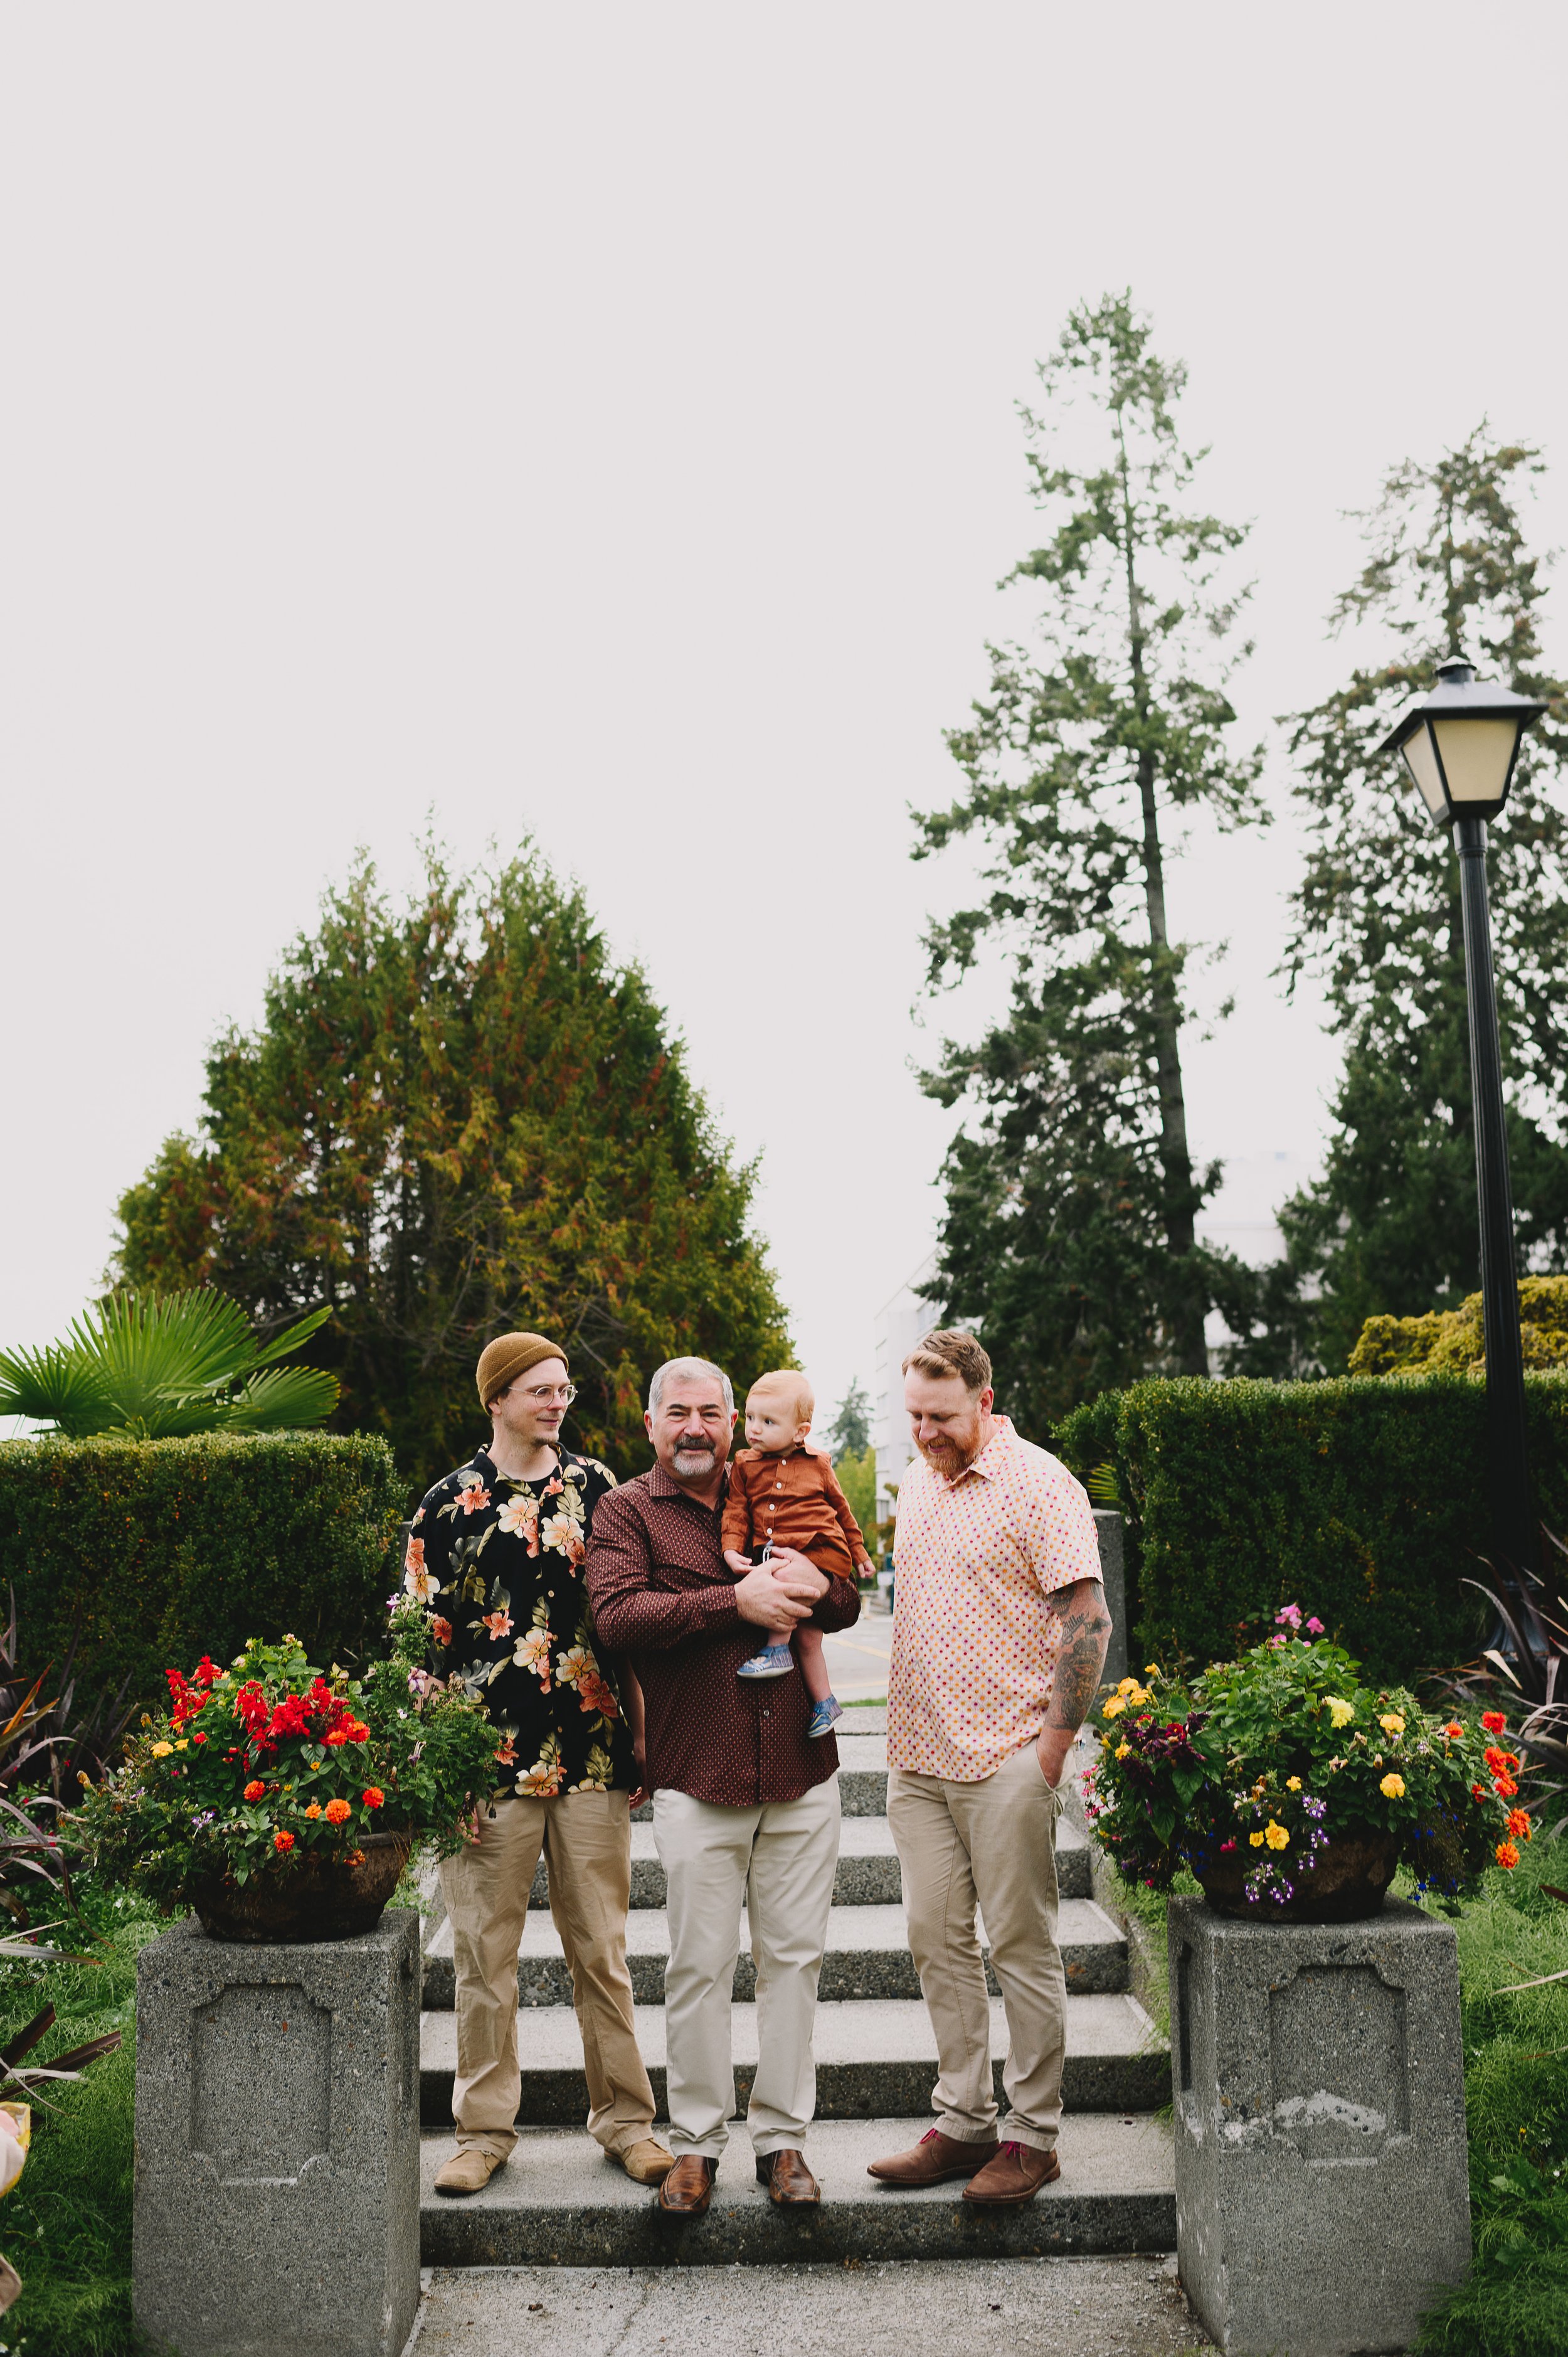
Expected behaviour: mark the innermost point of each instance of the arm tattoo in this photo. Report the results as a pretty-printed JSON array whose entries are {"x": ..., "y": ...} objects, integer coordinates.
[{"x": 1085, "y": 1632}]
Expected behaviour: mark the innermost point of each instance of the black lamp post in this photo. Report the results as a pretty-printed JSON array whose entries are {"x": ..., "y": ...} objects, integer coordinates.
[{"x": 1460, "y": 745}]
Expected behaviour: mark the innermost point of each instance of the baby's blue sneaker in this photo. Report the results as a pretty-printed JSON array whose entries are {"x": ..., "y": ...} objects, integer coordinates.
[
  {"x": 825, "y": 1717},
  {"x": 772, "y": 1662}
]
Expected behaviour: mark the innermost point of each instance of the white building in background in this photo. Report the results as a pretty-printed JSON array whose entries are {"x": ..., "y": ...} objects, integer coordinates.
[{"x": 900, "y": 1323}]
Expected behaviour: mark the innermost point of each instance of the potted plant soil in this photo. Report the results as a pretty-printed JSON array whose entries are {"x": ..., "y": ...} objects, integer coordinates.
[
  {"x": 1293, "y": 1791},
  {"x": 281, "y": 1803}
]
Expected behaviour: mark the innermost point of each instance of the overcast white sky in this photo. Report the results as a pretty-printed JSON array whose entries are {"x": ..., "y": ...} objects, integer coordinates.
[{"x": 600, "y": 423}]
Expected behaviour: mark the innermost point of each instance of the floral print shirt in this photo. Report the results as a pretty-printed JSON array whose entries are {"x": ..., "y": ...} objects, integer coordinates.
[{"x": 500, "y": 1564}]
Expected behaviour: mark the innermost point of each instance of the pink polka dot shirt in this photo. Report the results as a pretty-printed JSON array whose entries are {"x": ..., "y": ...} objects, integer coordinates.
[{"x": 974, "y": 1645}]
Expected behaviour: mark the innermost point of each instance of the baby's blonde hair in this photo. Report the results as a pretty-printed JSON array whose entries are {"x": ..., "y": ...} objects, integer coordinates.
[{"x": 790, "y": 1385}]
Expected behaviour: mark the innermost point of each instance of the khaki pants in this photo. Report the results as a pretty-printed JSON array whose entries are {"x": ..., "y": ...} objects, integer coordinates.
[
  {"x": 779, "y": 1857},
  {"x": 995, "y": 1842},
  {"x": 586, "y": 1841}
]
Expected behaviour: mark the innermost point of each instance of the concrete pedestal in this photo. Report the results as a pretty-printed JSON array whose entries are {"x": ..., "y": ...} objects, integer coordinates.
[
  {"x": 1322, "y": 2188},
  {"x": 1112, "y": 1533},
  {"x": 277, "y": 2144}
]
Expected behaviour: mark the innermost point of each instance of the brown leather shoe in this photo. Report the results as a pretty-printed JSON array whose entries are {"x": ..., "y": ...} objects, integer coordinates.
[
  {"x": 788, "y": 2180},
  {"x": 1014, "y": 2175},
  {"x": 934, "y": 2159},
  {"x": 689, "y": 2188}
]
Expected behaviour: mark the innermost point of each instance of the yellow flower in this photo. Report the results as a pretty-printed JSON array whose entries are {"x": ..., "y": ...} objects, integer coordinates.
[
  {"x": 1128, "y": 1686},
  {"x": 1341, "y": 1713},
  {"x": 1292, "y": 1783},
  {"x": 1392, "y": 1788},
  {"x": 1256, "y": 1840},
  {"x": 1114, "y": 1708},
  {"x": 1122, "y": 1750},
  {"x": 1391, "y": 1723},
  {"x": 1276, "y": 1835},
  {"x": 1150, "y": 1669},
  {"x": 162, "y": 1750},
  {"x": 180, "y": 1746}
]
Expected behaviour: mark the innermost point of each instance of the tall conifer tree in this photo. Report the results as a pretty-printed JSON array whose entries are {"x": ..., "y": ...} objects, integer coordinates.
[
  {"x": 1391, "y": 1225},
  {"x": 1068, "y": 1234}
]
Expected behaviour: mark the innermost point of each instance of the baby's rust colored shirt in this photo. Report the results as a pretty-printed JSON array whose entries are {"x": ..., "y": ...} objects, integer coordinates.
[{"x": 794, "y": 1500}]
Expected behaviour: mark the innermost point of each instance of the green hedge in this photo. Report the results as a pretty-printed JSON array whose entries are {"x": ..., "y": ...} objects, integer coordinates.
[
  {"x": 170, "y": 1548},
  {"x": 1364, "y": 1501}
]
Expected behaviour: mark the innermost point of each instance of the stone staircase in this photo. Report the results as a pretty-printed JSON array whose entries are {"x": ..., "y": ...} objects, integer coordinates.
[{"x": 559, "y": 2202}]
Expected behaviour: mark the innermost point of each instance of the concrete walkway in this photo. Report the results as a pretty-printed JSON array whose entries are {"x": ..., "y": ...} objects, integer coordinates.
[{"x": 1028, "y": 2308}]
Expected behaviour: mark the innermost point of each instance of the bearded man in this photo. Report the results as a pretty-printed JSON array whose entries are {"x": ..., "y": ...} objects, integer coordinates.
[
  {"x": 999, "y": 1638},
  {"x": 746, "y": 1805}
]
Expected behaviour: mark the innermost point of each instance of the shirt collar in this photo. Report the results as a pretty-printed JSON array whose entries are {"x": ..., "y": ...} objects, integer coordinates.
[{"x": 485, "y": 1466}]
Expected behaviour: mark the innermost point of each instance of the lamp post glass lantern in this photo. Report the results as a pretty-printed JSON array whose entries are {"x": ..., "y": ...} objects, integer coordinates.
[{"x": 1460, "y": 745}]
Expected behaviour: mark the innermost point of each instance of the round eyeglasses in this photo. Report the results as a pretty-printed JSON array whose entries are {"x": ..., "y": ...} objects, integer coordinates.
[{"x": 552, "y": 1395}]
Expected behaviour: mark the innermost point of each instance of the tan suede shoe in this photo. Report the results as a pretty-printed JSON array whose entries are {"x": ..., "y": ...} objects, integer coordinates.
[
  {"x": 646, "y": 2163},
  {"x": 1016, "y": 2176},
  {"x": 933, "y": 2161},
  {"x": 469, "y": 2170}
]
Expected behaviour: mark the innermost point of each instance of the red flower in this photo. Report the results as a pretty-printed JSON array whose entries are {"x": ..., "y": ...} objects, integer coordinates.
[
  {"x": 1493, "y": 1721},
  {"x": 373, "y": 1796},
  {"x": 207, "y": 1671},
  {"x": 441, "y": 1631},
  {"x": 254, "y": 1789},
  {"x": 1478, "y": 1791},
  {"x": 198, "y": 1738},
  {"x": 357, "y": 1731},
  {"x": 1505, "y": 1785},
  {"x": 283, "y": 1841},
  {"x": 1498, "y": 1761},
  {"x": 1519, "y": 1825}
]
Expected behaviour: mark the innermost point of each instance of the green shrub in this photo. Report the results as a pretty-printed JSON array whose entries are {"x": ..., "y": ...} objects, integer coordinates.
[
  {"x": 1362, "y": 1501},
  {"x": 168, "y": 1549}
]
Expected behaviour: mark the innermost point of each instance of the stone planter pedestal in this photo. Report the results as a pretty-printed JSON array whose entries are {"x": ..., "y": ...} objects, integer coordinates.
[
  {"x": 1317, "y": 2070},
  {"x": 277, "y": 2144}
]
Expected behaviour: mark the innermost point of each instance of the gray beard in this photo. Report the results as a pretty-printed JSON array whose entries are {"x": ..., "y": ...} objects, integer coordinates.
[{"x": 692, "y": 1461}]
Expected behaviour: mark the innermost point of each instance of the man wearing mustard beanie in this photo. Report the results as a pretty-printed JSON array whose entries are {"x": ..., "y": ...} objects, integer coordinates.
[{"x": 495, "y": 1555}]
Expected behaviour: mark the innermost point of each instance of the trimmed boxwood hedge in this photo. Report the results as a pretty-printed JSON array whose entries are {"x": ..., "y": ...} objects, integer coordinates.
[
  {"x": 1364, "y": 1501},
  {"x": 171, "y": 1548}
]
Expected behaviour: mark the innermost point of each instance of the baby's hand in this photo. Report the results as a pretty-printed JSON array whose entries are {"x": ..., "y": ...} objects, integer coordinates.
[{"x": 736, "y": 1562}]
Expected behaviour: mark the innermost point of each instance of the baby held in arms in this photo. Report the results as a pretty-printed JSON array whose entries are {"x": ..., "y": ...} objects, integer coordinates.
[{"x": 782, "y": 1493}]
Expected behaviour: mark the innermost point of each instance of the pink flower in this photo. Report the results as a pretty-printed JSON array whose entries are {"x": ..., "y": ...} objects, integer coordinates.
[
  {"x": 473, "y": 1496},
  {"x": 1289, "y": 1616},
  {"x": 1314, "y": 1626},
  {"x": 1277, "y": 1640},
  {"x": 498, "y": 1623}
]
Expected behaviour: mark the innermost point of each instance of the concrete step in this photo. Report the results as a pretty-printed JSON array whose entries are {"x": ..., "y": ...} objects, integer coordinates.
[
  {"x": 867, "y": 1869},
  {"x": 877, "y": 2058},
  {"x": 867, "y": 1956},
  {"x": 559, "y": 2202}
]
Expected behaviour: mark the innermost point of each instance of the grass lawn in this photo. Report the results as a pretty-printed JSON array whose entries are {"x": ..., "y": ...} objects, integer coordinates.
[
  {"x": 1515, "y": 2302},
  {"x": 66, "y": 2228}
]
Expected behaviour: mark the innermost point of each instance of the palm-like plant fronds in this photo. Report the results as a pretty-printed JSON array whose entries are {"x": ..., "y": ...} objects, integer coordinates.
[{"x": 160, "y": 1367}]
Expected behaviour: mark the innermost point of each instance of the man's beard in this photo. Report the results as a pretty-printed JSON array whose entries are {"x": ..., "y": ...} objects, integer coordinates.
[
  {"x": 949, "y": 1456},
  {"x": 695, "y": 1456}
]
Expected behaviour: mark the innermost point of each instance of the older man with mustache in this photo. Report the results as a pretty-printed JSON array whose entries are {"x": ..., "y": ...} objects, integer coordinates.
[{"x": 746, "y": 1808}]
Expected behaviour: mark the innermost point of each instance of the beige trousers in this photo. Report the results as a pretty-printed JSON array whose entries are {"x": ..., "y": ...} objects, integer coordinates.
[
  {"x": 779, "y": 1857},
  {"x": 993, "y": 1842},
  {"x": 586, "y": 1841}
]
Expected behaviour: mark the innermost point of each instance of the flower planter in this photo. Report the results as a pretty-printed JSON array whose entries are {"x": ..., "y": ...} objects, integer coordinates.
[
  {"x": 1348, "y": 1880},
  {"x": 317, "y": 1899}
]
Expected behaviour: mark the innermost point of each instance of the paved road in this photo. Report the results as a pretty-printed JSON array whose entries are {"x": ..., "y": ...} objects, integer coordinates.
[
  {"x": 1027, "y": 2307},
  {"x": 857, "y": 1661}
]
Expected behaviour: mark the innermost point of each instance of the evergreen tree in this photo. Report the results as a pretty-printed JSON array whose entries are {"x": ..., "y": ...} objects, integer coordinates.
[
  {"x": 850, "y": 1429},
  {"x": 457, "y": 1117},
  {"x": 1068, "y": 1239},
  {"x": 1391, "y": 1228}
]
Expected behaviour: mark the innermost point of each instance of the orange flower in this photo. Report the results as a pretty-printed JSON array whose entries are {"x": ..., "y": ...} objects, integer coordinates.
[
  {"x": 441, "y": 1631},
  {"x": 254, "y": 1789},
  {"x": 355, "y": 1857},
  {"x": 1493, "y": 1721},
  {"x": 1505, "y": 1785},
  {"x": 1508, "y": 1856},
  {"x": 283, "y": 1841},
  {"x": 1453, "y": 1727},
  {"x": 1478, "y": 1791},
  {"x": 373, "y": 1796},
  {"x": 1519, "y": 1825},
  {"x": 336, "y": 1812},
  {"x": 357, "y": 1731},
  {"x": 338, "y": 1735},
  {"x": 1498, "y": 1760},
  {"x": 314, "y": 1810}
]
